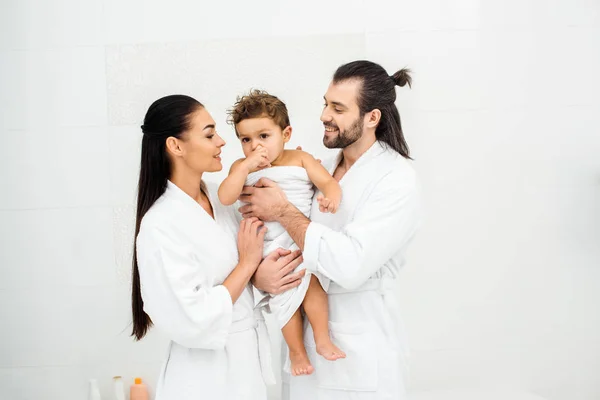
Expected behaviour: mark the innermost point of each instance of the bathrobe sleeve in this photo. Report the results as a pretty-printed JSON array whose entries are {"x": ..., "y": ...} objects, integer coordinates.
[
  {"x": 176, "y": 295},
  {"x": 382, "y": 225}
]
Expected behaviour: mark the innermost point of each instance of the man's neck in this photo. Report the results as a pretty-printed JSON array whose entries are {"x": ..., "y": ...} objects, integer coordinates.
[{"x": 353, "y": 152}]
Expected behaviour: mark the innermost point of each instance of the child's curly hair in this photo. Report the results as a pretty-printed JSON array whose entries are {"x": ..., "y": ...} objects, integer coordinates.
[{"x": 256, "y": 104}]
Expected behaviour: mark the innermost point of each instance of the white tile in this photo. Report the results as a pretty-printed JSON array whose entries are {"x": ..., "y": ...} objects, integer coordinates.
[
  {"x": 539, "y": 13},
  {"x": 55, "y": 167},
  {"x": 507, "y": 195},
  {"x": 61, "y": 87},
  {"x": 123, "y": 227},
  {"x": 13, "y": 95},
  {"x": 533, "y": 146},
  {"x": 466, "y": 368},
  {"x": 136, "y": 21},
  {"x": 119, "y": 345},
  {"x": 125, "y": 144},
  {"x": 87, "y": 327},
  {"x": 483, "y": 69},
  {"x": 540, "y": 67},
  {"x": 315, "y": 17},
  {"x": 210, "y": 71},
  {"x": 447, "y": 67},
  {"x": 59, "y": 23},
  {"x": 57, "y": 326},
  {"x": 553, "y": 373},
  {"x": 71, "y": 383},
  {"x": 57, "y": 247},
  {"x": 385, "y": 15}
]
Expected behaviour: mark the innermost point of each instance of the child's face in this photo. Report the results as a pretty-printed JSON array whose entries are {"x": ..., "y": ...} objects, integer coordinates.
[{"x": 265, "y": 132}]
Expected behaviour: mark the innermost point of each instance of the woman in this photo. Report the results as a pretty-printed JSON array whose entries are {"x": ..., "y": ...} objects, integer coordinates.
[{"x": 187, "y": 277}]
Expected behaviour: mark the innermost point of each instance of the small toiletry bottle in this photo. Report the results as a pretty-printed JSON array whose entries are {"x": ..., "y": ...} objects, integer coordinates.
[
  {"x": 119, "y": 388},
  {"x": 139, "y": 391},
  {"x": 94, "y": 393}
]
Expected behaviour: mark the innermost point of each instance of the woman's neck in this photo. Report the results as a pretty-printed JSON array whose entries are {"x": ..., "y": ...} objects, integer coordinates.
[{"x": 189, "y": 183}]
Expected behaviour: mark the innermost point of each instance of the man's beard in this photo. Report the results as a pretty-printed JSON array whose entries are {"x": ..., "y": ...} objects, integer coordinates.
[{"x": 345, "y": 138}]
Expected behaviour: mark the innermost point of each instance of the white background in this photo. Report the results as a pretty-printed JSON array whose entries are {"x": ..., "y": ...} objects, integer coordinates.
[{"x": 503, "y": 281}]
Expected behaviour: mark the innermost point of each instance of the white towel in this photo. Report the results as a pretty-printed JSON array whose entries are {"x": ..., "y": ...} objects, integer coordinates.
[{"x": 299, "y": 190}]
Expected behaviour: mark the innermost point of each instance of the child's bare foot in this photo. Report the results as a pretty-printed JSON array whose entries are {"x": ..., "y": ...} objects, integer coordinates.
[
  {"x": 300, "y": 364},
  {"x": 329, "y": 350}
]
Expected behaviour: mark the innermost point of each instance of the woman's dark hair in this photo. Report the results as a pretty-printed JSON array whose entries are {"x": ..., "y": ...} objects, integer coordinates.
[
  {"x": 377, "y": 91},
  {"x": 166, "y": 117}
]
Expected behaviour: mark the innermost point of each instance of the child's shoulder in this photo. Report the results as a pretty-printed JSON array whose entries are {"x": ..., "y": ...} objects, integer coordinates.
[
  {"x": 294, "y": 158},
  {"x": 299, "y": 155}
]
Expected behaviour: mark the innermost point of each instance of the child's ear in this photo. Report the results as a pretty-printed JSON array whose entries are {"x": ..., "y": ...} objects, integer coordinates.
[{"x": 287, "y": 134}]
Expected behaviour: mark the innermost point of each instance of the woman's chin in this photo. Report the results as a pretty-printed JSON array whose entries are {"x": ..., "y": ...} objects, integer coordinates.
[{"x": 217, "y": 168}]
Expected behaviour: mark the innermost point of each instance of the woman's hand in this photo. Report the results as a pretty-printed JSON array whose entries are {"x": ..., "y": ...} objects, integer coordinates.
[{"x": 251, "y": 237}]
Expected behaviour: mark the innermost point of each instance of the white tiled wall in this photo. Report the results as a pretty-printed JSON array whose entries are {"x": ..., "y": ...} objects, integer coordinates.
[{"x": 503, "y": 120}]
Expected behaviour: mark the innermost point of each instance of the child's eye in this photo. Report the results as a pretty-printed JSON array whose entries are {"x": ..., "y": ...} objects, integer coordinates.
[
  {"x": 245, "y": 140},
  {"x": 264, "y": 136}
]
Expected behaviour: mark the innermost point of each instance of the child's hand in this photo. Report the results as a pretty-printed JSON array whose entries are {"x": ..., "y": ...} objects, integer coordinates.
[
  {"x": 328, "y": 205},
  {"x": 258, "y": 159}
]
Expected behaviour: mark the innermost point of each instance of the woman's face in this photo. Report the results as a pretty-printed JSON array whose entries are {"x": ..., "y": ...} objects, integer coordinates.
[{"x": 201, "y": 145}]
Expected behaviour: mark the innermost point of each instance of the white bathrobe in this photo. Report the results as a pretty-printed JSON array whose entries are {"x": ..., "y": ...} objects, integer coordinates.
[
  {"x": 299, "y": 190},
  {"x": 217, "y": 350},
  {"x": 361, "y": 249}
]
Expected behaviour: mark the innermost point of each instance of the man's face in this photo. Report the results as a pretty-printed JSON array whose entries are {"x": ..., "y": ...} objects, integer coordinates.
[{"x": 341, "y": 115}]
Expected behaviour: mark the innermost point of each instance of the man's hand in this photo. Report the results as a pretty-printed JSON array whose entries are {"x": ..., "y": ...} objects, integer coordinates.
[
  {"x": 275, "y": 273},
  {"x": 266, "y": 201}
]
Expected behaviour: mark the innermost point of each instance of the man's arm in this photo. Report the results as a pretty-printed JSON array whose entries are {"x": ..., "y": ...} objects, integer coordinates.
[
  {"x": 266, "y": 199},
  {"x": 295, "y": 223},
  {"x": 382, "y": 226}
]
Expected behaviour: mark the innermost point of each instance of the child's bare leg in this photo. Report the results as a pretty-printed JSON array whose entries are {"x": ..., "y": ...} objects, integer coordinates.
[
  {"x": 292, "y": 333},
  {"x": 316, "y": 308}
]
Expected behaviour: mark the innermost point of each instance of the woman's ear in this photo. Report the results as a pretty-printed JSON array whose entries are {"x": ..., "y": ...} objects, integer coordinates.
[{"x": 173, "y": 146}]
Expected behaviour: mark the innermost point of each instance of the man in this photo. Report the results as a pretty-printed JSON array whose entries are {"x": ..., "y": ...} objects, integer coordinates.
[{"x": 361, "y": 247}]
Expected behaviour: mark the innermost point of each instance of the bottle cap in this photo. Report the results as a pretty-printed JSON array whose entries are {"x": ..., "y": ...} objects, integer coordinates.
[{"x": 138, "y": 381}]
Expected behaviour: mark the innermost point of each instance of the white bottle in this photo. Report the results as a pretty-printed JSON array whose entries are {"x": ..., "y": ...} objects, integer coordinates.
[
  {"x": 94, "y": 391},
  {"x": 119, "y": 388}
]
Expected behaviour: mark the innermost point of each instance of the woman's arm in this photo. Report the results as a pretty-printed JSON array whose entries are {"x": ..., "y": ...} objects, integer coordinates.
[
  {"x": 250, "y": 248},
  {"x": 176, "y": 297}
]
